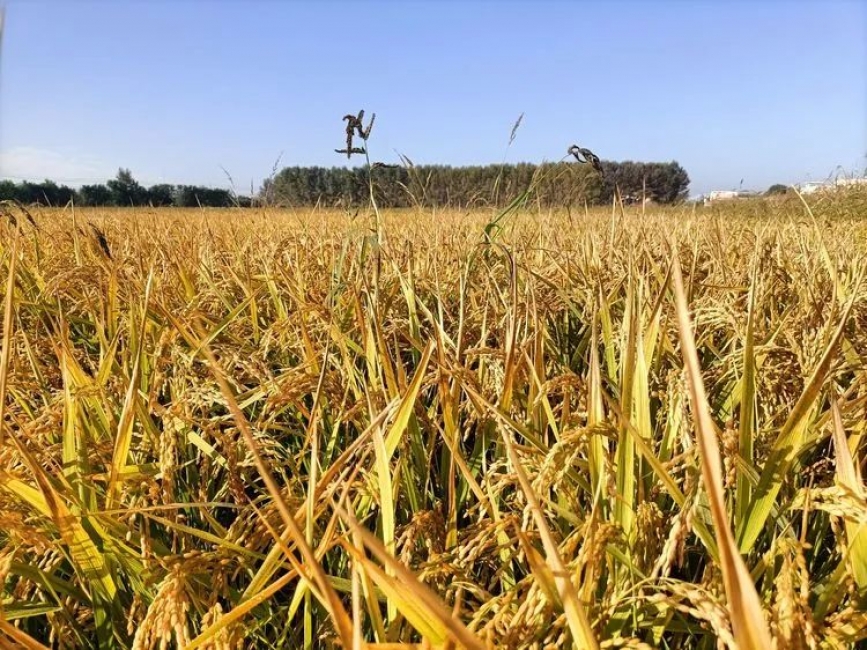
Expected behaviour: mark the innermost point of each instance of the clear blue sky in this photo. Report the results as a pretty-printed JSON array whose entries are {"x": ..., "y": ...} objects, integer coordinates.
[{"x": 765, "y": 91}]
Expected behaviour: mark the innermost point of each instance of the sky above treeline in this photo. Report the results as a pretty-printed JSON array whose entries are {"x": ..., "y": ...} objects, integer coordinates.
[{"x": 741, "y": 93}]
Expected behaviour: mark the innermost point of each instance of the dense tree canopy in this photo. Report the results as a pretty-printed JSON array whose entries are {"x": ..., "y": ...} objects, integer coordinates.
[
  {"x": 45, "y": 193},
  {"x": 121, "y": 191},
  {"x": 554, "y": 183},
  {"x": 126, "y": 190},
  {"x": 777, "y": 188},
  {"x": 94, "y": 195}
]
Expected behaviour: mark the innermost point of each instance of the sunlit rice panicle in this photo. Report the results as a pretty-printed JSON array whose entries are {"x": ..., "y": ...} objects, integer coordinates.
[
  {"x": 167, "y": 616},
  {"x": 228, "y": 638}
]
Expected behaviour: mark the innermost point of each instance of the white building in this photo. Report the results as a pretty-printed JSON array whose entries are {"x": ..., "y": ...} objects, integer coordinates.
[
  {"x": 728, "y": 195},
  {"x": 830, "y": 186},
  {"x": 722, "y": 195},
  {"x": 812, "y": 188},
  {"x": 850, "y": 182}
]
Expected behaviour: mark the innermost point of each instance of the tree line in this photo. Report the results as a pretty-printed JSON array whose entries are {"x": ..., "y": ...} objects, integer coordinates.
[
  {"x": 550, "y": 185},
  {"x": 121, "y": 191},
  {"x": 553, "y": 184}
]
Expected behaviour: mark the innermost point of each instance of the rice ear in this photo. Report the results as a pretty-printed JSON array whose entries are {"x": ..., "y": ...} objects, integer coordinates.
[{"x": 745, "y": 608}]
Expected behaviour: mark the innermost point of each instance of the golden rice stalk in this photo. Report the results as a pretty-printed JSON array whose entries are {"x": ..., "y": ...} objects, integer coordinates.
[
  {"x": 579, "y": 624},
  {"x": 848, "y": 475},
  {"x": 423, "y": 608},
  {"x": 331, "y": 601},
  {"x": 748, "y": 621},
  {"x": 8, "y": 311}
]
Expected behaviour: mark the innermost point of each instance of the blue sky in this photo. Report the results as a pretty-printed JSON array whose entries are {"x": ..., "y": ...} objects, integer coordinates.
[{"x": 765, "y": 91}]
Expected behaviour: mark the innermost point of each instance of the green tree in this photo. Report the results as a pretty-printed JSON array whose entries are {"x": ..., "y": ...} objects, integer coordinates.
[
  {"x": 94, "y": 195},
  {"x": 557, "y": 184},
  {"x": 185, "y": 197},
  {"x": 8, "y": 190},
  {"x": 51, "y": 193},
  {"x": 126, "y": 190},
  {"x": 777, "y": 188},
  {"x": 161, "y": 195}
]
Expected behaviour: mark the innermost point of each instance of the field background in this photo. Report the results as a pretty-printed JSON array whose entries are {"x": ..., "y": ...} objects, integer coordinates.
[{"x": 264, "y": 428}]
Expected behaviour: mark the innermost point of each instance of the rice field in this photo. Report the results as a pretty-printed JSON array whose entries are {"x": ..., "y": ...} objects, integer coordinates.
[{"x": 311, "y": 429}]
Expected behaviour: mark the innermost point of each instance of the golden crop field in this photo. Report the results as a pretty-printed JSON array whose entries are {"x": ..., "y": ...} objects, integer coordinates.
[{"x": 283, "y": 429}]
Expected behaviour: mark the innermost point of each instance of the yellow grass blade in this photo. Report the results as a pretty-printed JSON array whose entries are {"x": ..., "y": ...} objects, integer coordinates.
[
  {"x": 579, "y": 625},
  {"x": 748, "y": 622},
  {"x": 847, "y": 476},
  {"x": 8, "y": 313},
  {"x": 746, "y": 428},
  {"x": 407, "y": 404},
  {"x": 86, "y": 557},
  {"x": 701, "y": 531},
  {"x": 403, "y": 598},
  {"x": 385, "y": 448},
  {"x": 386, "y": 501},
  {"x": 595, "y": 414},
  {"x": 123, "y": 439},
  {"x": 542, "y": 572},
  {"x": 274, "y": 558},
  {"x": 239, "y": 612},
  {"x": 624, "y": 506},
  {"x": 331, "y": 600},
  {"x": 789, "y": 441},
  {"x": 412, "y": 596}
]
